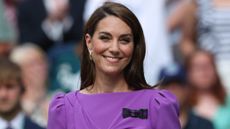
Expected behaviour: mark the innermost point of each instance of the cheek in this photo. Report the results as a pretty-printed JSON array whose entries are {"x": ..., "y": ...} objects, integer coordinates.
[
  {"x": 127, "y": 50},
  {"x": 99, "y": 47},
  {"x": 195, "y": 76},
  {"x": 16, "y": 93}
]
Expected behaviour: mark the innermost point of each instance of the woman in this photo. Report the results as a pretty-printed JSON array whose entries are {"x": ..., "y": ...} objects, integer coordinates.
[
  {"x": 175, "y": 81},
  {"x": 208, "y": 97},
  {"x": 205, "y": 24},
  {"x": 114, "y": 93}
]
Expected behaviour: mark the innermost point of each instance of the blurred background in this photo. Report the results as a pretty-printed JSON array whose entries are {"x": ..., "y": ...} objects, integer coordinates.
[{"x": 187, "y": 42}]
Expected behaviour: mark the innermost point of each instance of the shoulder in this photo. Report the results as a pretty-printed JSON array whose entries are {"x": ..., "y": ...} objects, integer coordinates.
[
  {"x": 162, "y": 98},
  {"x": 58, "y": 102},
  {"x": 59, "y": 106},
  {"x": 29, "y": 124},
  {"x": 164, "y": 109},
  {"x": 61, "y": 101},
  {"x": 198, "y": 122}
]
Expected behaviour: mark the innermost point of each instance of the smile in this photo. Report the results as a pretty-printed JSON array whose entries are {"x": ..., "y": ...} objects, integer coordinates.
[{"x": 112, "y": 59}]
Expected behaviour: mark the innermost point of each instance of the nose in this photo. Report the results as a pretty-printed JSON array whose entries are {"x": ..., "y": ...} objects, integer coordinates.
[{"x": 114, "y": 48}]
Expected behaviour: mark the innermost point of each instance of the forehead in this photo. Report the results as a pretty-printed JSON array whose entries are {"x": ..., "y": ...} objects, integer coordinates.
[
  {"x": 113, "y": 25},
  {"x": 10, "y": 76},
  {"x": 33, "y": 56}
]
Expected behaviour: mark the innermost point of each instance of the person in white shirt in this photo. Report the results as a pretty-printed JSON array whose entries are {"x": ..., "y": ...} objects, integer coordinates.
[{"x": 11, "y": 90}]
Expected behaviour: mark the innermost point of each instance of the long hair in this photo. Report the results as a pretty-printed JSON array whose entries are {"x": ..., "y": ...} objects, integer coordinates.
[
  {"x": 133, "y": 72},
  {"x": 216, "y": 88}
]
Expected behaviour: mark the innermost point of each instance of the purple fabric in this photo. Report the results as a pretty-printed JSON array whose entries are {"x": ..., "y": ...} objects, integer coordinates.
[{"x": 104, "y": 111}]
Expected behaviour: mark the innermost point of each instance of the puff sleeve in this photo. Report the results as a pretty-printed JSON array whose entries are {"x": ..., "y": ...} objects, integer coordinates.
[
  {"x": 166, "y": 111},
  {"x": 57, "y": 113}
]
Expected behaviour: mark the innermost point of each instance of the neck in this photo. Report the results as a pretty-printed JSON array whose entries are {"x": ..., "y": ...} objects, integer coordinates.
[{"x": 107, "y": 83}]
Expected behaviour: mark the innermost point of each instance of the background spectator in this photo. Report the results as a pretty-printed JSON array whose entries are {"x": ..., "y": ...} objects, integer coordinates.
[
  {"x": 208, "y": 96},
  {"x": 205, "y": 24},
  {"x": 7, "y": 33},
  {"x": 50, "y": 22},
  {"x": 11, "y": 91},
  {"x": 174, "y": 79},
  {"x": 33, "y": 63}
]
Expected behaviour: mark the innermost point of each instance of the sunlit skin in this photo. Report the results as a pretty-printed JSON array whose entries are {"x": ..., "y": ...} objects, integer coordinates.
[
  {"x": 10, "y": 94},
  {"x": 111, "y": 48}
]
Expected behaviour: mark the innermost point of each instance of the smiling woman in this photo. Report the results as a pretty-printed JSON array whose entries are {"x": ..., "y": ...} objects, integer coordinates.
[
  {"x": 118, "y": 28},
  {"x": 114, "y": 93},
  {"x": 111, "y": 48}
]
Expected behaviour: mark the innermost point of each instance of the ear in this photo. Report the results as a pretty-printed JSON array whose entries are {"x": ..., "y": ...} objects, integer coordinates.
[{"x": 88, "y": 41}]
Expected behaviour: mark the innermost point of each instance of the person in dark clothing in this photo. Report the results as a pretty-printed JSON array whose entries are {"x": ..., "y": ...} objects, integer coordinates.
[
  {"x": 173, "y": 78},
  {"x": 197, "y": 122},
  {"x": 50, "y": 22},
  {"x": 11, "y": 91}
]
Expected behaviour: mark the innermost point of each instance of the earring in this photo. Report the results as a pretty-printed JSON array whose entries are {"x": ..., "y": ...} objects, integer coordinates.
[{"x": 90, "y": 55}]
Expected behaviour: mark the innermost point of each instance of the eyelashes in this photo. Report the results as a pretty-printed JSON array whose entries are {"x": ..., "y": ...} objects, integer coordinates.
[
  {"x": 104, "y": 38},
  {"x": 124, "y": 40}
]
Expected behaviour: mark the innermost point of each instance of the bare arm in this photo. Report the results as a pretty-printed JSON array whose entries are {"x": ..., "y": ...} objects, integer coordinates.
[
  {"x": 184, "y": 18},
  {"x": 188, "y": 28},
  {"x": 175, "y": 19}
]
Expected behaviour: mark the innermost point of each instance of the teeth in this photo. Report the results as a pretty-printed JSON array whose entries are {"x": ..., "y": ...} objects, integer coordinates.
[{"x": 112, "y": 59}]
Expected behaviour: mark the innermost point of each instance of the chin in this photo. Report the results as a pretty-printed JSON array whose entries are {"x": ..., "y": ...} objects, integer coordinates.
[
  {"x": 5, "y": 110},
  {"x": 112, "y": 71}
]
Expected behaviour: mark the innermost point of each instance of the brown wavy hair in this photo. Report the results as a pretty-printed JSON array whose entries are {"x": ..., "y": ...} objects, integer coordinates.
[
  {"x": 133, "y": 72},
  {"x": 217, "y": 88}
]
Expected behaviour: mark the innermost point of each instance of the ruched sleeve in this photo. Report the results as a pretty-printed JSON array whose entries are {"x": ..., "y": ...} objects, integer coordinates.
[
  {"x": 57, "y": 113},
  {"x": 166, "y": 111}
]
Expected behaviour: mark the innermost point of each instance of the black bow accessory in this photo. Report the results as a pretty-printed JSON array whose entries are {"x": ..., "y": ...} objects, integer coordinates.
[{"x": 141, "y": 113}]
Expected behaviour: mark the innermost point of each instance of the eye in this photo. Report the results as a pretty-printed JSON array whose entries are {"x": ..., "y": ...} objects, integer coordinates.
[
  {"x": 125, "y": 40},
  {"x": 104, "y": 38},
  {"x": 10, "y": 86}
]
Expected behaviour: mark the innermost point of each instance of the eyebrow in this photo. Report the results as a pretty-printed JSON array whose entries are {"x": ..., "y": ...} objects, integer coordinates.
[
  {"x": 123, "y": 35},
  {"x": 105, "y": 33},
  {"x": 126, "y": 35}
]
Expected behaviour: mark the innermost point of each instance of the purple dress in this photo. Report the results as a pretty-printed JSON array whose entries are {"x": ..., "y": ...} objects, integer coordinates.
[{"x": 143, "y": 109}]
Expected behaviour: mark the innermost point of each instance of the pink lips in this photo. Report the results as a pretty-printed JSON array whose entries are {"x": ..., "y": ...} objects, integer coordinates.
[{"x": 112, "y": 59}]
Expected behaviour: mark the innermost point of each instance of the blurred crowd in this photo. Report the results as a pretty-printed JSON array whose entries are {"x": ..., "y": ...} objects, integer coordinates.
[{"x": 187, "y": 52}]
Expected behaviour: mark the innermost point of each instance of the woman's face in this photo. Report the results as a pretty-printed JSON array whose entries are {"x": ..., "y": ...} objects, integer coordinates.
[
  {"x": 202, "y": 73},
  {"x": 111, "y": 46}
]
